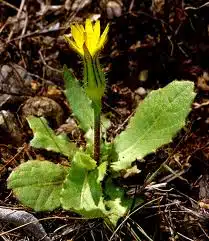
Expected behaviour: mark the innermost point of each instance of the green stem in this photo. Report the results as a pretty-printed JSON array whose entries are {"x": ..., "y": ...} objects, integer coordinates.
[{"x": 97, "y": 125}]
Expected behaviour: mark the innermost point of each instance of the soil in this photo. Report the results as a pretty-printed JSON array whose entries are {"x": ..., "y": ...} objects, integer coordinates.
[{"x": 150, "y": 44}]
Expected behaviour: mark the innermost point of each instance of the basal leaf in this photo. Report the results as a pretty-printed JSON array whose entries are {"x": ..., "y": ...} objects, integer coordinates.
[
  {"x": 117, "y": 203},
  {"x": 84, "y": 161},
  {"x": 37, "y": 184},
  {"x": 116, "y": 210},
  {"x": 44, "y": 137},
  {"x": 102, "y": 171},
  {"x": 155, "y": 122},
  {"x": 89, "y": 135},
  {"x": 78, "y": 100},
  {"x": 112, "y": 191},
  {"x": 82, "y": 190}
]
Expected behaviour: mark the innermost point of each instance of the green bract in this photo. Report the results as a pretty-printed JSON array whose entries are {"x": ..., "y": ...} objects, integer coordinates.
[{"x": 94, "y": 79}]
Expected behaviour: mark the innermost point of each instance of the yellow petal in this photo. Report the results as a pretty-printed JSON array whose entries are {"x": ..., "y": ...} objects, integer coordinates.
[
  {"x": 89, "y": 37},
  {"x": 77, "y": 35},
  {"x": 88, "y": 26},
  {"x": 96, "y": 32},
  {"x": 73, "y": 45},
  {"x": 103, "y": 37},
  {"x": 80, "y": 27}
]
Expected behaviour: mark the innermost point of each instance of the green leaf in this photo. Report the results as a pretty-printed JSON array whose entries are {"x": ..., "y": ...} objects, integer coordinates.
[
  {"x": 44, "y": 137},
  {"x": 116, "y": 210},
  {"x": 102, "y": 171},
  {"x": 155, "y": 122},
  {"x": 112, "y": 191},
  {"x": 89, "y": 135},
  {"x": 37, "y": 184},
  {"x": 117, "y": 203},
  {"x": 84, "y": 161},
  {"x": 82, "y": 191},
  {"x": 79, "y": 102}
]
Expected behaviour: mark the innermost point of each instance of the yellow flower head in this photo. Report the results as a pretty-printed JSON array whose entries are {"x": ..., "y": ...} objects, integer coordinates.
[{"x": 90, "y": 36}]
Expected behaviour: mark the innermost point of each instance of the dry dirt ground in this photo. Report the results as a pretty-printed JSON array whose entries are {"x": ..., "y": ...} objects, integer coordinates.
[{"x": 150, "y": 44}]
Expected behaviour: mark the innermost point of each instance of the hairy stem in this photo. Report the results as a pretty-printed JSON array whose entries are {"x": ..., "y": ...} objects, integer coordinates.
[{"x": 97, "y": 124}]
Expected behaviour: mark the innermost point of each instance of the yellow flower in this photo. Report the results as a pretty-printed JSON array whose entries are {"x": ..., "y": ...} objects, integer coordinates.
[{"x": 90, "y": 36}]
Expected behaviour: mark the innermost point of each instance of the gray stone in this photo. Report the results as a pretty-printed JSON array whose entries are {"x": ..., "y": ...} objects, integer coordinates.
[
  {"x": 43, "y": 106},
  {"x": 114, "y": 9},
  {"x": 14, "y": 84},
  {"x": 9, "y": 127}
]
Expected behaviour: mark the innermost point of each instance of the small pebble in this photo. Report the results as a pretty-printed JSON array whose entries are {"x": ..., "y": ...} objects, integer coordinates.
[{"x": 141, "y": 91}]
